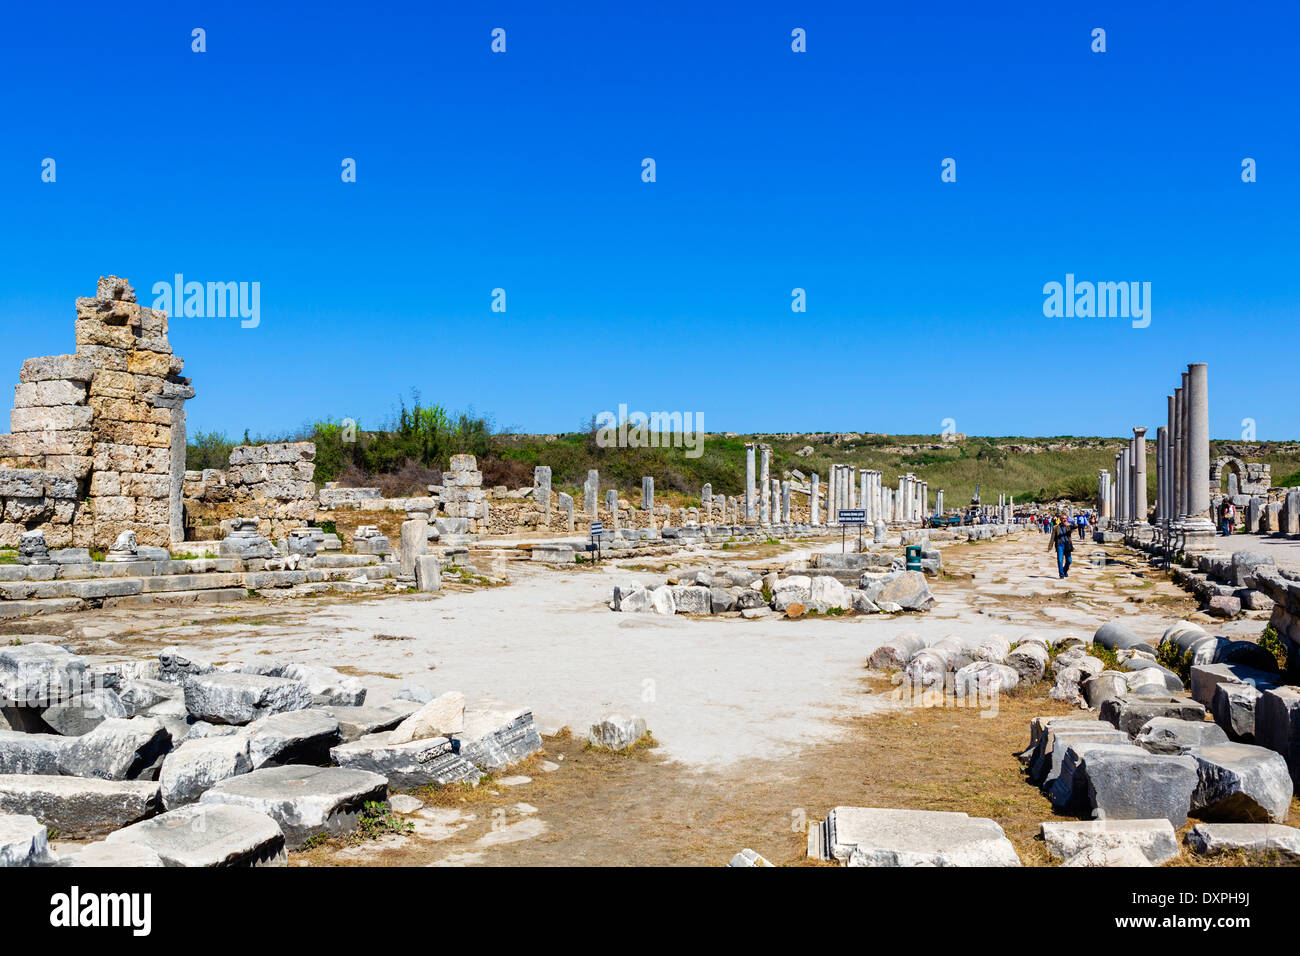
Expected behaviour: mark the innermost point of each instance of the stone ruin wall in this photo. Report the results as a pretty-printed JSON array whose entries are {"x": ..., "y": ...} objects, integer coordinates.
[
  {"x": 97, "y": 438},
  {"x": 273, "y": 483}
]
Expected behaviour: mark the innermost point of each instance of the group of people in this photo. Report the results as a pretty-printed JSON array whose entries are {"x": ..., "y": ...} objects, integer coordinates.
[{"x": 1228, "y": 517}]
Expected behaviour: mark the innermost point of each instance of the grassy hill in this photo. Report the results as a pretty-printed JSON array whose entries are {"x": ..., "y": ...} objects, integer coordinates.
[{"x": 1040, "y": 469}]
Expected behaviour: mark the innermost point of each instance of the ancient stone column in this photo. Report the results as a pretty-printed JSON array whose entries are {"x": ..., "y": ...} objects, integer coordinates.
[
  {"x": 765, "y": 483},
  {"x": 542, "y": 492},
  {"x": 565, "y": 504},
  {"x": 938, "y": 502},
  {"x": 1140, "y": 474},
  {"x": 1170, "y": 471},
  {"x": 749, "y": 482},
  {"x": 1180, "y": 449},
  {"x": 833, "y": 496},
  {"x": 1101, "y": 492},
  {"x": 813, "y": 510},
  {"x": 706, "y": 501},
  {"x": 1161, "y": 432},
  {"x": 414, "y": 543},
  {"x": 1199, "y": 526},
  {"x": 648, "y": 493},
  {"x": 1120, "y": 481},
  {"x": 591, "y": 493},
  {"x": 900, "y": 513},
  {"x": 785, "y": 502},
  {"x": 611, "y": 505}
]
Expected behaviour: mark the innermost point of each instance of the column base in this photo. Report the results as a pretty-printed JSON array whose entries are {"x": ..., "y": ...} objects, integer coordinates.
[{"x": 1198, "y": 534}]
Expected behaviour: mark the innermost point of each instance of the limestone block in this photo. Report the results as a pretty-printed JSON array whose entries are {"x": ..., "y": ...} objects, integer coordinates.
[
  {"x": 48, "y": 394},
  {"x": 78, "y": 807},
  {"x": 208, "y": 835},
  {"x": 56, "y": 367},
  {"x": 62, "y": 418}
]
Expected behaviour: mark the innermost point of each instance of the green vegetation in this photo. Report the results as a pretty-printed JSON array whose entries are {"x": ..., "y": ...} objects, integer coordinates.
[
  {"x": 410, "y": 450},
  {"x": 1275, "y": 644},
  {"x": 378, "y": 819},
  {"x": 1181, "y": 664}
]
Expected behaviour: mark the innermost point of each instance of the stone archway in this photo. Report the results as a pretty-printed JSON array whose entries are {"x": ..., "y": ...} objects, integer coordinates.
[{"x": 1228, "y": 475}]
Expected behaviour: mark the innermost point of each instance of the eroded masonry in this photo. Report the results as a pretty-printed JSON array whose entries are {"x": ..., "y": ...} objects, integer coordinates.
[{"x": 97, "y": 441}]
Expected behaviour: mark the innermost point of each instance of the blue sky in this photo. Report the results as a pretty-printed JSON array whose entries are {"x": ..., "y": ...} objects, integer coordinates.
[{"x": 775, "y": 170}]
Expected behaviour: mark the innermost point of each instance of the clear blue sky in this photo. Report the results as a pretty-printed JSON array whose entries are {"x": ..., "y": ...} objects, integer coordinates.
[{"x": 775, "y": 170}]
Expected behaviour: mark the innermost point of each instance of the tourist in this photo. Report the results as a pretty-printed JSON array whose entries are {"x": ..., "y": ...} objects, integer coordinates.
[
  {"x": 1062, "y": 544},
  {"x": 1229, "y": 517}
]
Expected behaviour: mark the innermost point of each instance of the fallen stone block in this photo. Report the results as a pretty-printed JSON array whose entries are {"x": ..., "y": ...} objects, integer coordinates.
[
  {"x": 174, "y": 667},
  {"x": 748, "y": 857},
  {"x": 121, "y": 748},
  {"x": 1172, "y": 681},
  {"x": 1262, "y": 842},
  {"x": 692, "y": 599},
  {"x": 908, "y": 589},
  {"x": 1124, "y": 782},
  {"x": 1205, "y": 678},
  {"x": 1154, "y": 839},
  {"x": 325, "y": 684},
  {"x": 867, "y": 836},
  {"x": 83, "y": 713},
  {"x": 894, "y": 654},
  {"x": 1130, "y": 713},
  {"x": 828, "y": 594},
  {"x": 77, "y": 807},
  {"x": 198, "y": 765},
  {"x": 1116, "y": 637},
  {"x": 617, "y": 732},
  {"x": 108, "y": 855},
  {"x": 225, "y": 698},
  {"x": 293, "y": 737},
  {"x": 1241, "y": 783},
  {"x": 983, "y": 681},
  {"x": 208, "y": 834},
  {"x": 417, "y": 763},
  {"x": 304, "y": 801},
  {"x": 1168, "y": 735},
  {"x": 38, "y": 675},
  {"x": 1105, "y": 685},
  {"x": 495, "y": 738},
  {"x": 1057, "y": 742},
  {"x": 358, "y": 722},
  {"x": 441, "y": 717},
  {"x": 1277, "y": 725},
  {"x": 1029, "y": 659},
  {"x": 1234, "y": 710},
  {"x": 23, "y": 841},
  {"x": 30, "y": 753},
  {"x": 140, "y": 694},
  {"x": 1109, "y": 856}
]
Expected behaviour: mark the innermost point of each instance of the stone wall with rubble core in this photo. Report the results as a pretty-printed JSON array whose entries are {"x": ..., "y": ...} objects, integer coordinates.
[
  {"x": 97, "y": 439},
  {"x": 273, "y": 483}
]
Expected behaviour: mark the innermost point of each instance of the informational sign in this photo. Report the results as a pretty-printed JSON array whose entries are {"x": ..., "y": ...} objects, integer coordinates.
[
  {"x": 597, "y": 527},
  {"x": 853, "y": 516}
]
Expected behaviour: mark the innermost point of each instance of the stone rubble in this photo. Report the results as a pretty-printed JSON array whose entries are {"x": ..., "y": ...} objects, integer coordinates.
[{"x": 229, "y": 766}]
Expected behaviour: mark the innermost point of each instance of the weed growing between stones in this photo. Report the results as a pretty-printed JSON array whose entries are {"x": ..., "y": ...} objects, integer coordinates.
[
  {"x": 1272, "y": 642},
  {"x": 377, "y": 820}
]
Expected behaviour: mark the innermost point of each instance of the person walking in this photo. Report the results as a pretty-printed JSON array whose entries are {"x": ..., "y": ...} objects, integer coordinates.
[{"x": 1061, "y": 542}]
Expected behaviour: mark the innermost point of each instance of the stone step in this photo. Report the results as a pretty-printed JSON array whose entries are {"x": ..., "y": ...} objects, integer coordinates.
[{"x": 176, "y": 598}]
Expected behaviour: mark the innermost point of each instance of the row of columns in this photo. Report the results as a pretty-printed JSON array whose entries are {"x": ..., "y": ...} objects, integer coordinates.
[{"x": 1182, "y": 458}]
